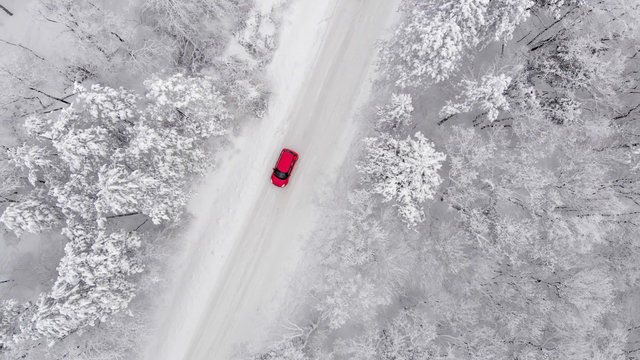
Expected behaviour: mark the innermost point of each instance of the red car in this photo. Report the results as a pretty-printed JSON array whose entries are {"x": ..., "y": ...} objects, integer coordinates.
[{"x": 284, "y": 166}]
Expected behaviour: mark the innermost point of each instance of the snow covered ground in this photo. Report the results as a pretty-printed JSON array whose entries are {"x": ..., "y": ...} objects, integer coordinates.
[{"x": 244, "y": 241}]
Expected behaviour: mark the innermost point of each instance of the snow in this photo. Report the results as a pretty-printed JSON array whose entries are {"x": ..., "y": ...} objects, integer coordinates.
[
  {"x": 46, "y": 38},
  {"x": 245, "y": 239}
]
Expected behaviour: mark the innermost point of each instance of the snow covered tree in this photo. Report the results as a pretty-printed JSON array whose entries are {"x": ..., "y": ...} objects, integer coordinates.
[
  {"x": 81, "y": 139},
  {"x": 488, "y": 95},
  {"x": 364, "y": 238},
  {"x": 89, "y": 132},
  {"x": 94, "y": 281},
  {"x": 284, "y": 350},
  {"x": 359, "y": 265},
  {"x": 14, "y": 322},
  {"x": 180, "y": 21},
  {"x": 111, "y": 153},
  {"x": 556, "y": 6},
  {"x": 34, "y": 159},
  {"x": 435, "y": 36},
  {"x": 408, "y": 335},
  {"x": 405, "y": 171},
  {"x": 105, "y": 37},
  {"x": 171, "y": 138},
  {"x": 395, "y": 114},
  {"x": 33, "y": 214},
  {"x": 11, "y": 184},
  {"x": 256, "y": 34},
  {"x": 293, "y": 346},
  {"x": 9, "y": 312},
  {"x": 591, "y": 291},
  {"x": 190, "y": 25},
  {"x": 191, "y": 105},
  {"x": 121, "y": 191},
  {"x": 349, "y": 295},
  {"x": 30, "y": 83}
]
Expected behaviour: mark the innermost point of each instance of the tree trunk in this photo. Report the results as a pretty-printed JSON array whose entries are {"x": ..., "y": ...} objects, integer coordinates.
[
  {"x": 550, "y": 26},
  {"x": 6, "y": 10},
  {"x": 62, "y": 100},
  {"x": 122, "y": 215},
  {"x": 22, "y": 47},
  {"x": 442, "y": 121}
]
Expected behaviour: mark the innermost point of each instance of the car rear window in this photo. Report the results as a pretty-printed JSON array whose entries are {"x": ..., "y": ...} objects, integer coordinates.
[{"x": 279, "y": 174}]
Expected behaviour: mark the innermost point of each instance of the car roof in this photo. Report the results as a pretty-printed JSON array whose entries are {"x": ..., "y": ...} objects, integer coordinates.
[{"x": 286, "y": 158}]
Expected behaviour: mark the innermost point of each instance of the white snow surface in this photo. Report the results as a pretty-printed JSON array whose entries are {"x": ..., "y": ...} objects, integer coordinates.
[{"x": 246, "y": 238}]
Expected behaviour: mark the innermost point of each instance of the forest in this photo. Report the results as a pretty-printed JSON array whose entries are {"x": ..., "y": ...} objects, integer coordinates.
[{"x": 492, "y": 212}]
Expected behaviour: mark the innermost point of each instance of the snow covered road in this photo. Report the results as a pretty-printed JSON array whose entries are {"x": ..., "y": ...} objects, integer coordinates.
[{"x": 244, "y": 241}]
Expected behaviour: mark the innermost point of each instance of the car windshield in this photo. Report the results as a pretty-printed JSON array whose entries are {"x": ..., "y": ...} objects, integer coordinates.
[{"x": 279, "y": 174}]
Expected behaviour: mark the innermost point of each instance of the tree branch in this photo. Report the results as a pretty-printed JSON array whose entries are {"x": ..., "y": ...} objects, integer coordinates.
[
  {"x": 50, "y": 111},
  {"x": 609, "y": 215},
  {"x": 8, "y": 200},
  {"x": 117, "y": 36},
  {"x": 627, "y": 113}
]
